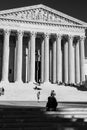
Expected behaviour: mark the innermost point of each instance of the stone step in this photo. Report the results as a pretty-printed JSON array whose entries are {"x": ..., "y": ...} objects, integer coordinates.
[
  {"x": 68, "y": 115},
  {"x": 66, "y": 112},
  {"x": 72, "y": 109},
  {"x": 21, "y": 115},
  {"x": 32, "y": 128},
  {"x": 33, "y": 118},
  {"x": 33, "y": 124},
  {"x": 7, "y": 120}
]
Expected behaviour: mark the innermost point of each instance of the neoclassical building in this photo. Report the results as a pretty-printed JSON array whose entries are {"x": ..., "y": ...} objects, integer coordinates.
[{"x": 40, "y": 44}]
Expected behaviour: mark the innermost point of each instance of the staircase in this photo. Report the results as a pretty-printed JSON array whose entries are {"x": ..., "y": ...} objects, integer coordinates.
[
  {"x": 25, "y": 118},
  {"x": 36, "y": 118},
  {"x": 72, "y": 111}
]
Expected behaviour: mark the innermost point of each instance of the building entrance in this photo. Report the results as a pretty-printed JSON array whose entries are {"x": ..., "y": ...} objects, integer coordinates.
[
  {"x": 38, "y": 71},
  {"x": 38, "y": 60}
]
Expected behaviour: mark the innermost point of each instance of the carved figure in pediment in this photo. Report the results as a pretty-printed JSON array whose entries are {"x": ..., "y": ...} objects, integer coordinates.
[
  {"x": 45, "y": 16},
  {"x": 50, "y": 17},
  {"x": 24, "y": 15},
  {"x": 32, "y": 14},
  {"x": 56, "y": 19},
  {"x": 37, "y": 14},
  {"x": 53, "y": 18},
  {"x": 28, "y": 15},
  {"x": 40, "y": 15}
]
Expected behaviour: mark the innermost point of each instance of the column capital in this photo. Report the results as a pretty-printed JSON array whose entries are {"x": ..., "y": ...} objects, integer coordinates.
[
  {"x": 46, "y": 35},
  {"x": 20, "y": 32},
  {"x": 7, "y": 31},
  {"x": 70, "y": 37},
  {"x": 59, "y": 36},
  {"x": 33, "y": 34},
  {"x": 82, "y": 38}
]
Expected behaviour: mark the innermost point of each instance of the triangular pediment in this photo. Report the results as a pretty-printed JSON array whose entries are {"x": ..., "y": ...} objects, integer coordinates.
[{"x": 39, "y": 13}]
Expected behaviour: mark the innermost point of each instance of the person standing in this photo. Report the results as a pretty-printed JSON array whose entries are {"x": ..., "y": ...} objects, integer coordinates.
[{"x": 38, "y": 96}]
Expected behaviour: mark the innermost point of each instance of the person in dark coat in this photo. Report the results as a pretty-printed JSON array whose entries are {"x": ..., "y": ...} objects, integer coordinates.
[{"x": 52, "y": 102}]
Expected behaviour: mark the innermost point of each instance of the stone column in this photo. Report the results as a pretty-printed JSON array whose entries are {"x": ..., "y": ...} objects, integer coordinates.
[
  {"x": 54, "y": 61},
  {"x": 32, "y": 55},
  {"x": 50, "y": 65},
  {"x": 29, "y": 61},
  {"x": 15, "y": 65},
  {"x": 26, "y": 65},
  {"x": 46, "y": 60},
  {"x": 5, "y": 56},
  {"x": 59, "y": 58},
  {"x": 42, "y": 61},
  {"x": 77, "y": 62},
  {"x": 19, "y": 56},
  {"x": 66, "y": 61},
  {"x": 82, "y": 75},
  {"x": 71, "y": 62}
]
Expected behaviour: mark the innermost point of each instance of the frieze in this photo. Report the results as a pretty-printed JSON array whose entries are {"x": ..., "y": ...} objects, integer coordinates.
[{"x": 38, "y": 15}]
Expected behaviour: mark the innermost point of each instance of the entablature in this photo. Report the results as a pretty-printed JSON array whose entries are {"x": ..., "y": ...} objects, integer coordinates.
[{"x": 33, "y": 22}]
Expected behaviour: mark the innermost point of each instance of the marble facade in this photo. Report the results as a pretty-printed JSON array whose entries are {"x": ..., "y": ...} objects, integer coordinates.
[{"x": 40, "y": 44}]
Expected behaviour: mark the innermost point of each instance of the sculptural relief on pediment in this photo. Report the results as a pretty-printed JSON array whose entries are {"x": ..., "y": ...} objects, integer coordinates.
[{"x": 37, "y": 15}]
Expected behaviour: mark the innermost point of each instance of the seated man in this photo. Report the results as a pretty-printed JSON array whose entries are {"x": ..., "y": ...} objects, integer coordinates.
[{"x": 52, "y": 102}]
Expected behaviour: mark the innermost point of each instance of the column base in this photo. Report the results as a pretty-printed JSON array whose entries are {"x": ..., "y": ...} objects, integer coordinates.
[
  {"x": 4, "y": 82},
  {"x": 47, "y": 83},
  {"x": 34, "y": 83},
  {"x": 54, "y": 82},
  {"x": 18, "y": 82},
  {"x": 77, "y": 82}
]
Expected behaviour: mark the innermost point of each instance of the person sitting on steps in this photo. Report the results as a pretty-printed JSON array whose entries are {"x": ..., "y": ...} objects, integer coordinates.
[{"x": 52, "y": 102}]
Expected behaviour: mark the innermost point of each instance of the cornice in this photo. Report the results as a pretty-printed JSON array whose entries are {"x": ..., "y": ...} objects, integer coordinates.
[{"x": 42, "y": 23}]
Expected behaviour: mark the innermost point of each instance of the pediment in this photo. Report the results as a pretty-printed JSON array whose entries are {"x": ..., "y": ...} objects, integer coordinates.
[{"x": 39, "y": 13}]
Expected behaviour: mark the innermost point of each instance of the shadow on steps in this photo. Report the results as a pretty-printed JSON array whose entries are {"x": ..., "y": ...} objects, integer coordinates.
[{"x": 35, "y": 118}]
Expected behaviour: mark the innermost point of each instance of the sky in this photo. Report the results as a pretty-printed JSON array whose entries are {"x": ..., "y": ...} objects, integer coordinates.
[{"x": 74, "y": 8}]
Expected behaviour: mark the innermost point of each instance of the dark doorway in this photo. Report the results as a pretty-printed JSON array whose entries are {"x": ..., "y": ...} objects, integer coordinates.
[
  {"x": 1, "y": 54},
  {"x": 12, "y": 47},
  {"x": 38, "y": 60},
  {"x": 38, "y": 71}
]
